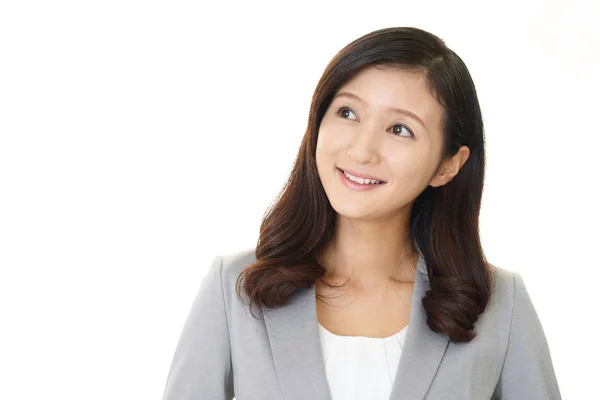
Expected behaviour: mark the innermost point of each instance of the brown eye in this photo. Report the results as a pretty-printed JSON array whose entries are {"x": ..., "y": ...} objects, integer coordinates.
[
  {"x": 344, "y": 111},
  {"x": 397, "y": 129}
]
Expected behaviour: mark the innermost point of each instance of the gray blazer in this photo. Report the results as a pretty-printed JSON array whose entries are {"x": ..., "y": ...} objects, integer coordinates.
[{"x": 224, "y": 352}]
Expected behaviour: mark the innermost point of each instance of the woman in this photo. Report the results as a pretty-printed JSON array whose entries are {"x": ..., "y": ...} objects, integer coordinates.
[{"x": 369, "y": 280}]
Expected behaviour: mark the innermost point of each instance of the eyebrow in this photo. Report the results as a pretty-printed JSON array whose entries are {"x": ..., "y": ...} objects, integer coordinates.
[{"x": 398, "y": 110}]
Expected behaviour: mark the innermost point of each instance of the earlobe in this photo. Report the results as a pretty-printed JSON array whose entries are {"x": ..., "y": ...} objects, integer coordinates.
[
  {"x": 451, "y": 167},
  {"x": 438, "y": 179}
]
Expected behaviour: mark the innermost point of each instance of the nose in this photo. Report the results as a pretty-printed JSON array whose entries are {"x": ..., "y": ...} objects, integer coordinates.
[{"x": 365, "y": 147}]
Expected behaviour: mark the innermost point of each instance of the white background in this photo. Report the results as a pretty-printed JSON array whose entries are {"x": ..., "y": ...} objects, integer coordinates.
[{"x": 139, "y": 139}]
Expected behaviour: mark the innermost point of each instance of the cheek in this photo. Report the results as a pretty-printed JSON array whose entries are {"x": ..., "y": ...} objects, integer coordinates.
[
  {"x": 327, "y": 145},
  {"x": 331, "y": 141},
  {"x": 321, "y": 154},
  {"x": 410, "y": 173}
]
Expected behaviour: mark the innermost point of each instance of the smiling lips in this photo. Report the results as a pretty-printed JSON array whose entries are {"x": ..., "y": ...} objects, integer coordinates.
[
  {"x": 358, "y": 183},
  {"x": 358, "y": 177}
]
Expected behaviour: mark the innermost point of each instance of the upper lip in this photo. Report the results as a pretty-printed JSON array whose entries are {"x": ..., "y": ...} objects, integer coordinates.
[{"x": 359, "y": 175}]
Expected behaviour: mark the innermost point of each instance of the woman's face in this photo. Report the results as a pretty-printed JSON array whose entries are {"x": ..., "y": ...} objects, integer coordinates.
[{"x": 362, "y": 132}]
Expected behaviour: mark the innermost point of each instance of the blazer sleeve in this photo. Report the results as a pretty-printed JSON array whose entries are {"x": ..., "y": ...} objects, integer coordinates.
[
  {"x": 528, "y": 372},
  {"x": 201, "y": 366}
]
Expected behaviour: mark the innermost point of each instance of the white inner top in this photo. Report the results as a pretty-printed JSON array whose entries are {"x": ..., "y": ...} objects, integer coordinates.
[{"x": 360, "y": 367}]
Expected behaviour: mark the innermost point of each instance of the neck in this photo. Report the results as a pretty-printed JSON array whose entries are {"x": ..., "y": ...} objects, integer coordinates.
[{"x": 370, "y": 254}]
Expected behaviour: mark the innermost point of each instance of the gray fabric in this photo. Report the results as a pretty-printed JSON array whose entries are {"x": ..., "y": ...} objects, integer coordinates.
[{"x": 224, "y": 351}]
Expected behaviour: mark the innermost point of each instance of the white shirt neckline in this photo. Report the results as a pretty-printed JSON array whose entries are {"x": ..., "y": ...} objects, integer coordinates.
[{"x": 362, "y": 337}]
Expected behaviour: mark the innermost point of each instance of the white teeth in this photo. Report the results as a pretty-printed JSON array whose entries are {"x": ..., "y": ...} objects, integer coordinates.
[{"x": 361, "y": 180}]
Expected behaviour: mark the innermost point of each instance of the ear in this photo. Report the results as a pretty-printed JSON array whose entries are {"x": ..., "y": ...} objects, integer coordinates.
[{"x": 450, "y": 167}]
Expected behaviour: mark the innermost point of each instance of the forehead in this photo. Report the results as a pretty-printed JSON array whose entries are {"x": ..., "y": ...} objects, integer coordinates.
[{"x": 382, "y": 88}]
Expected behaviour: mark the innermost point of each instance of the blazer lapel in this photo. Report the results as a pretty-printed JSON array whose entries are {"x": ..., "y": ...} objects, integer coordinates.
[
  {"x": 423, "y": 348},
  {"x": 295, "y": 344}
]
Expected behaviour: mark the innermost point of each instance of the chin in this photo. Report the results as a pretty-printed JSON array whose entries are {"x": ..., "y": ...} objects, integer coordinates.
[{"x": 350, "y": 210}]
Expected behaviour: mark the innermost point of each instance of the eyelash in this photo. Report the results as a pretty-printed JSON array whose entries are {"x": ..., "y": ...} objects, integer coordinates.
[{"x": 342, "y": 107}]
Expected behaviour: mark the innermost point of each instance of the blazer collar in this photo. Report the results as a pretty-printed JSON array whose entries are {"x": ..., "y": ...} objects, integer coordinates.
[{"x": 295, "y": 344}]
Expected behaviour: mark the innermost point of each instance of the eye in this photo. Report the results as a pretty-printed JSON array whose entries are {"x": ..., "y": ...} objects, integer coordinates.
[
  {"x": 344, "y": 111},
  {"x": 397, "y": 130}
]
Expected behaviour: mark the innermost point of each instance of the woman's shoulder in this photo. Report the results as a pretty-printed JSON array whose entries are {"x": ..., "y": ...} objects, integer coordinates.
[
  {"x": 227, "y": 266},
  {"x": 505, "y": 283},
  {"x": 503, "y": 280},
  {"x": 234, "y": 262},
  {"x": 508, "y": 292}
]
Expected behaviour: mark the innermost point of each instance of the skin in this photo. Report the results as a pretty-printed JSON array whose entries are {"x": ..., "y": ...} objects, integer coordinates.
[{"x": 373, "y": 247}]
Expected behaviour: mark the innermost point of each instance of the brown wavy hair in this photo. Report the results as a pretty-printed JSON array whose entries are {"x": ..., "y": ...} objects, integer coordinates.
[{"x": 444, "y": 222}]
